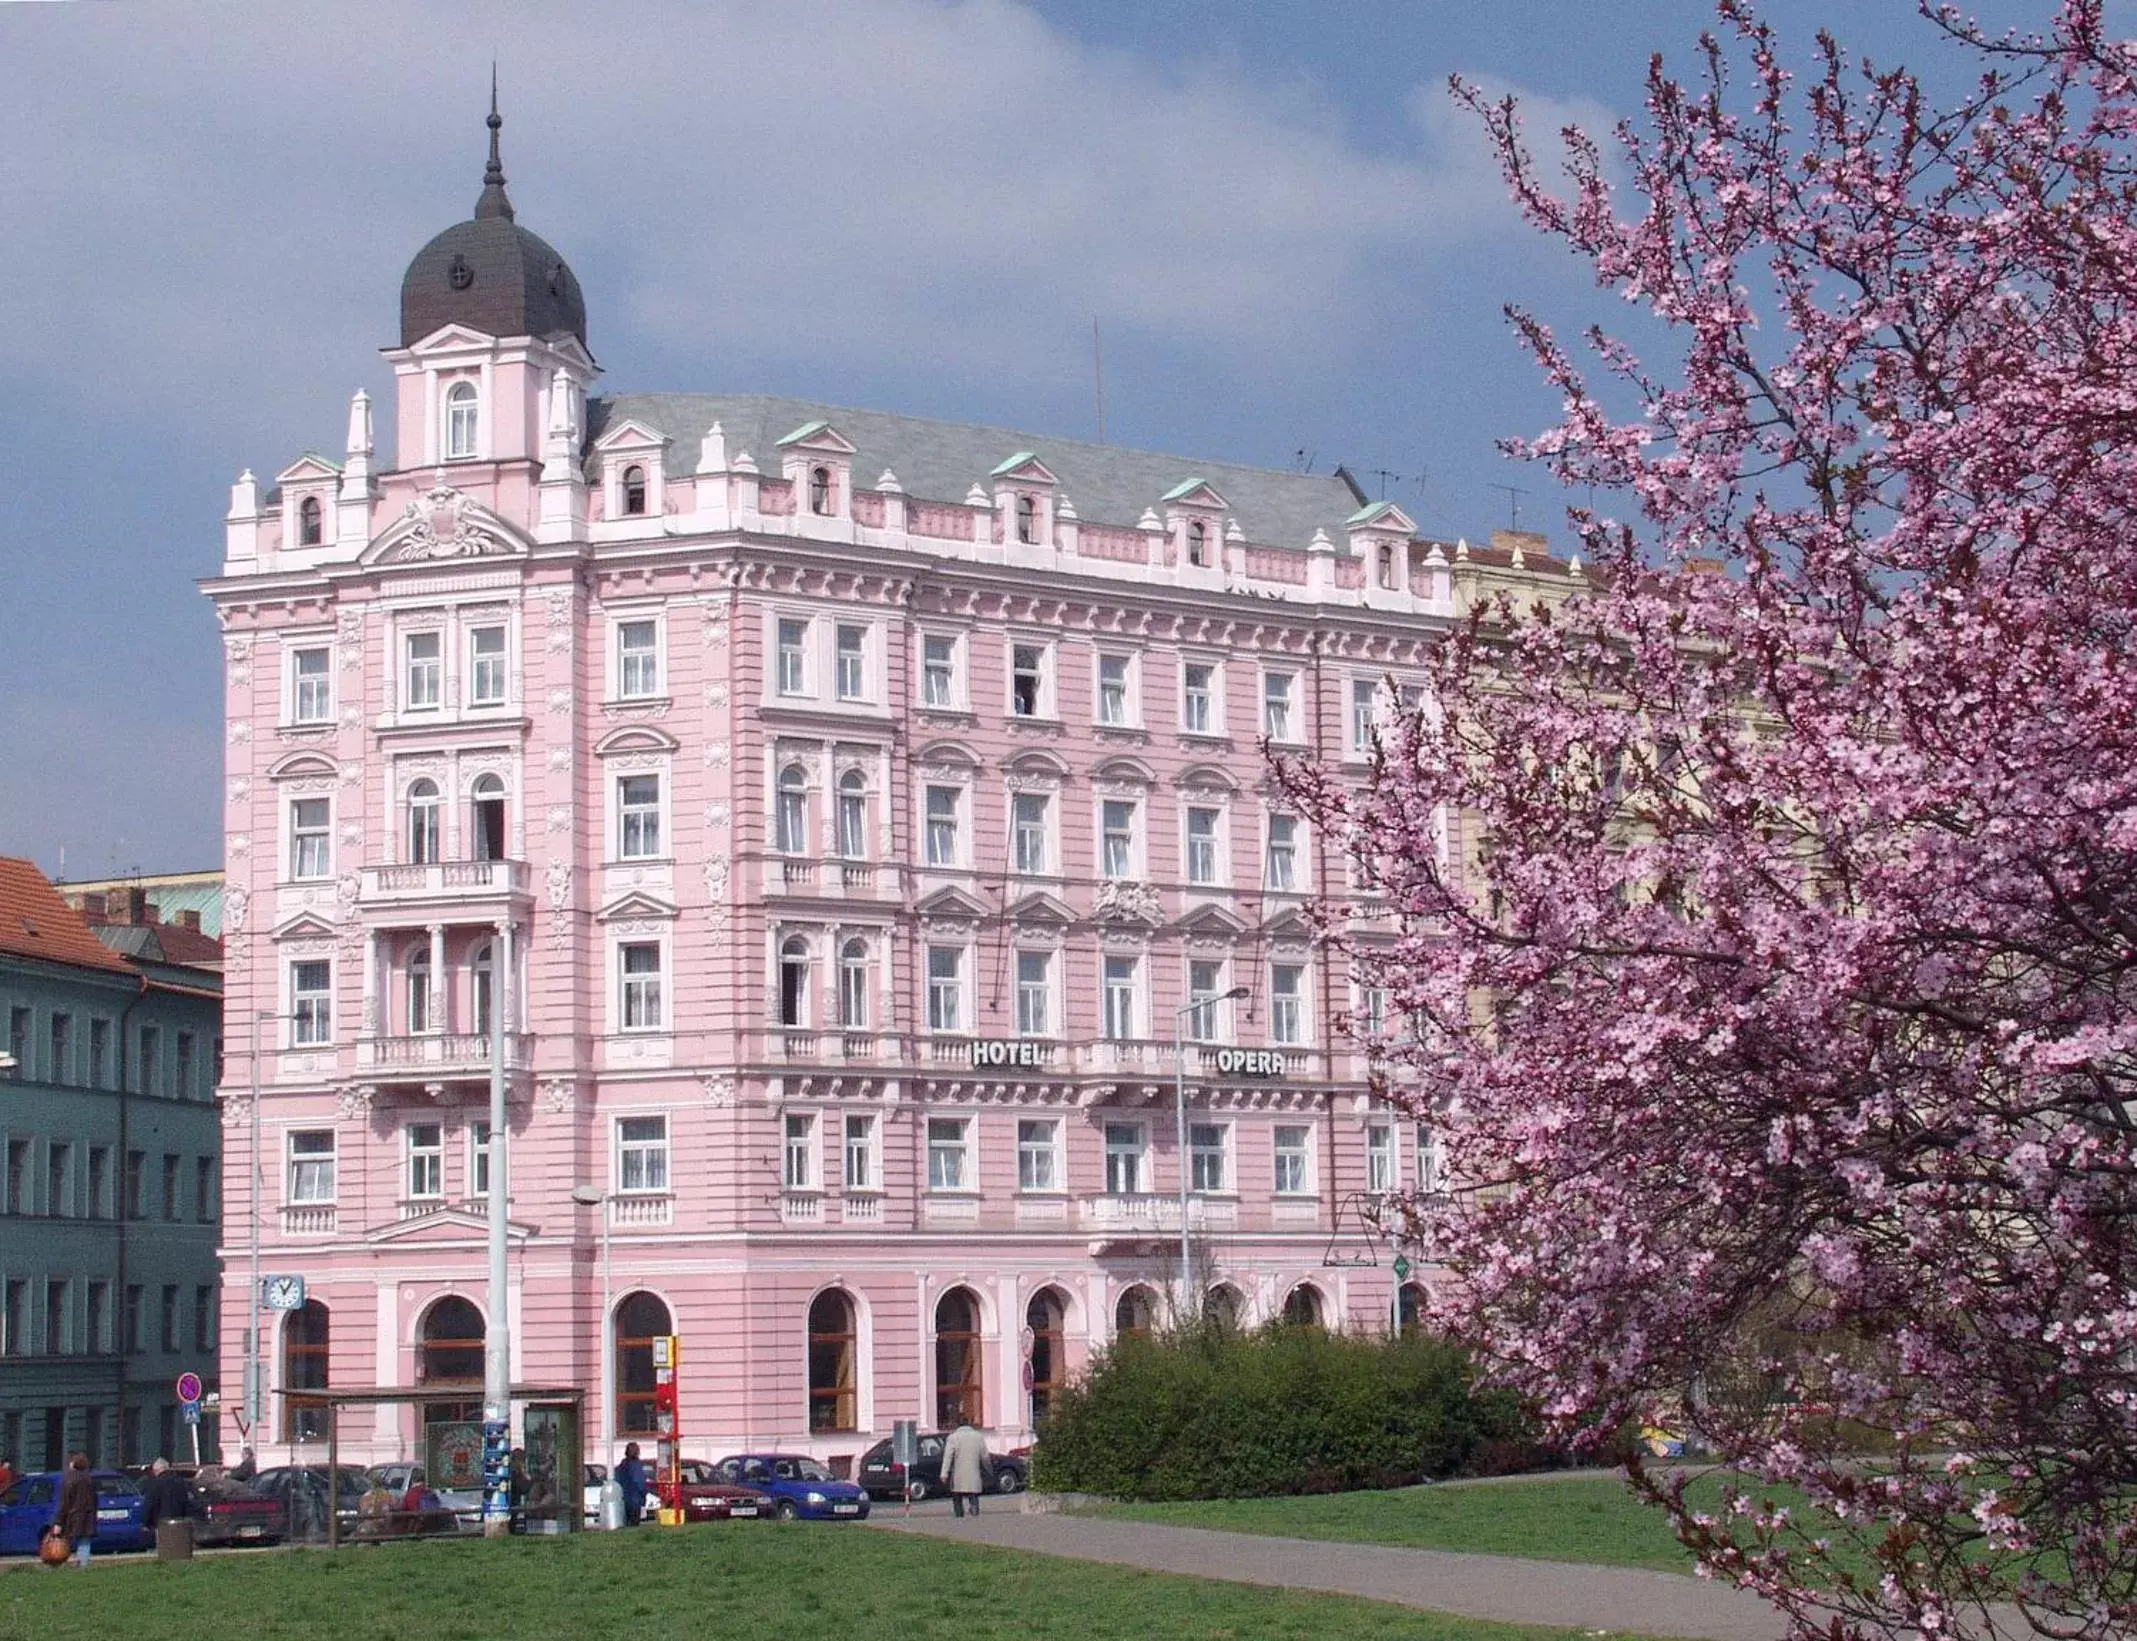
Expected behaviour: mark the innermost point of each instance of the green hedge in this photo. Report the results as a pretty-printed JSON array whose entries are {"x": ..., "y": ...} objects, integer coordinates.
[{"x": 1209, "y": 1412}]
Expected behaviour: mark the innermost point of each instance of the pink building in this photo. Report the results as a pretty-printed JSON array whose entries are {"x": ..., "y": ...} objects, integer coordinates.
[{"x": 844, "y": 809}]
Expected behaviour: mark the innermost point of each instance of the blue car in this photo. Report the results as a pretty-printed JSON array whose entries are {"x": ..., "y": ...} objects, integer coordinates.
[
  {"x": 800, "y": 1488},
  {"x": 32, "y": 1505}
]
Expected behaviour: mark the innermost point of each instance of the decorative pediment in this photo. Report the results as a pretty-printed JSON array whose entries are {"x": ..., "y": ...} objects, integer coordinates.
[
  {"x": 304, "y": 926},
  {"x": 948, "y": 753},
  {"x": 1123, "y": 900},
  {"x": 635, "y": 738},
  {"x": 1125, "y": 769},
  {"x": 444, "y": 523},
  {"x": 1196, "y": 493},
  {"x": 821, "y": 437},
  {"x": 631, "y": 434},
  {"x": 1206, "y": 778},
  {"x": 453, "y": 338},
  {"x": 1381, "y": 516},
  {"x": 1025, "y": 468},
  {"x": 1041, "y": 907},
  {"x": 1037, "y": 761},
  {"x": 952, "y": 902},
  {"x": 635, "y": 905},
  {"x": 444, "y": 1224},
  {"x": 1212, "y": 920},
  {"x": 308, "y": 469},
  {"x": 302, "y": 765},
  {"x": 1288, "y": 925}
]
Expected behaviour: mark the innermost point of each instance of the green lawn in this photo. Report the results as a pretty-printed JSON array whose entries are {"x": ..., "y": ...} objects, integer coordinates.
[
  {"x": 1589, "y": 1518},
  {"x": 765, "y": 1582}
]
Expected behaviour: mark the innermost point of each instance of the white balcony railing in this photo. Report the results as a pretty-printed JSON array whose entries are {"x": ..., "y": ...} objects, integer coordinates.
[
  {"x": 801, "y": 1208},
  {"x": 443, "y": 880},
  {"x": 636, "y": 1212},
  {"x": 309, "y": 1218},
  {"x": 1152, "y": 1212},
  {"x": 863, "y": 1210},
  {"x": 439, "y": 1052}
]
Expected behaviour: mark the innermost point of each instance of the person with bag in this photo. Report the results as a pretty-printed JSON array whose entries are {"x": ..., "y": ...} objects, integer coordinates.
[{"x": 77, "y": 1508}]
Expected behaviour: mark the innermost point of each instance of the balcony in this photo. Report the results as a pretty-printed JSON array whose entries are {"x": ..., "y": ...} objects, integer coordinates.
[
  {"x": 641, "y": 1212},
  {"x": 444, "y": 881},
  {"x": 801, "y": 1208},
  {"x": 864, "y": 1210},
  {"x": 1121, "y": 1056},
  {"x": 438, "y": 1055},
  {"x": 309, "y": 1218},
  {"x": 1150, "y": 1212}
]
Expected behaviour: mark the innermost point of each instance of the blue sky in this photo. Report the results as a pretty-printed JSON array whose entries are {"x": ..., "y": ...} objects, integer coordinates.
[{"x": 1296, "y": 247}]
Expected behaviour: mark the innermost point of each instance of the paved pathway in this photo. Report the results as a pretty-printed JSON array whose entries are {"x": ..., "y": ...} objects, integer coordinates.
[{"x": 1553, "y": 1594}]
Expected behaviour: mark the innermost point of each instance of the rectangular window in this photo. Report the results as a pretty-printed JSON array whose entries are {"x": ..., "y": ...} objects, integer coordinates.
[
  {"x": 1209, "y": 1157},
  {"x": 59, "y": 1179},
  {"x": 853, "y": 817},
  {"x": 638, "y": 817},
  {"x": 310, "y": 851},
  {"x": 942, "y": 825},
  {"x": 15, "y": 1319},
  {"x": 637, "y": 659},
  {"x": 1372, "y": 1019},
  {"x": 99, "y": 1053},
  {"x": 799, "y": 1173},
  {"x": 311, "y": 686},
  {"x": 860, "y": 1153},
  {"x": 852, "y": 648},
  {"x": 639, "y": 961},
  {"x": 1035, "y": 989},
  {"x": 1431, "y": 1159},
  {"x": 149, "y": 1079},
  {"x": 1276, "y": 690},
  {"x": 1027, "y": 680},
  {"x": 204, "y": 1318},
  {"x": 938, "y": 672},
  {"x": 185, "y": 1065},
  {"x": 1363, "y": 694},
  {"x": 1027, "y": 832},
  {"x": 1121, "y": 985},
  {"x": 18, "y": 1043},
  {"x": 423, "y": 677},
  {"x": 99, "y": 1203},
  {"x": 426, "y": 1159},
  {"x": 946, "y": 988},
  {"x": 135, "y": 1294},
  {"x": 136, "y": 1185},
  {"x": 57, "y": 1342},
  {"x": 18, "y": 1177},
  {"x": 1380, "y": 1158},
  {"x": 311, "y": 1165},
  {"x": 790, "y": 815},
  {"x": 1293, "y": 1172},
  {"x": 172, "y": 1162},
  {"x": 1202, "y": 846},
  {"x": 168, "y": 1312},
  {"x": 207, "y": 1199},
  {"x": 1198, "y": 698},
  {"x": 1038, "y": 1154},
  {"x": 1283, "y": 868},
  {"x": 486, "y": 667},
  {"x": 478, "y": 1159},
  {"x": 1125, "y": 1144},
  {"x": 793, "y": 656},
  {"x": 1205, "y": 983},
  {"x": 1287, "y": 1002},
  {"x": 949, "y": 1153},
  {"x": 641, "y": 1153},
  {"x": 60, "y": 1029},
  {"x": 1114, "y": 705},
  {"x": 97, "y": 1325},
  {"x": 311, "y": 1002},
  {"x": 1116, "y": 840}
]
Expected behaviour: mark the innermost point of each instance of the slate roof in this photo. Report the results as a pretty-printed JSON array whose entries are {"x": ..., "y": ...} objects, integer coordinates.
[
  {"x": 941, "y": 461},
  {"x": 36, "y": 922},
  {"x": 162, "y": 943}
]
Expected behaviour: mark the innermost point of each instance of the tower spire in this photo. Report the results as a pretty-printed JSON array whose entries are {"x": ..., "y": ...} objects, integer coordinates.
[{"x": 493, "y": 202}]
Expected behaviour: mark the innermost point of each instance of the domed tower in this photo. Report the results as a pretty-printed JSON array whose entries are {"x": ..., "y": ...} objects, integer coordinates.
[{"x": 492, "y": 365}]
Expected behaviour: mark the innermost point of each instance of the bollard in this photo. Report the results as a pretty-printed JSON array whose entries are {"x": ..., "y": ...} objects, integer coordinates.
[{"x": 174, "y": 1540}]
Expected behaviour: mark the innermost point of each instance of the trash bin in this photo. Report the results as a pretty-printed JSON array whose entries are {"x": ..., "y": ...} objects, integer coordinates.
[{"x": 174, "y": 1540}]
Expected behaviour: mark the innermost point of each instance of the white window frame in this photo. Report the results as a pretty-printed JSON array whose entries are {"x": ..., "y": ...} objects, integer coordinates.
[
  {"x": 947, "y": 990},
  {"x": 1431, "y": 1158},
  {"x": 311, "y": 1008},
  {"x": 461, "y": 416},
  {"x": 423, "y": 676},
  {"x": 790, "y": 661},
  {"x": 1039, "y": 1162},
  {"x": 310, "y": 1170},
  {"x": 1290, "y": 1012},
  {"x": 1291, "y": 1171},
  {"x": 423, "y": 1163},
  {"x": 1120, "y": 1001},
  {"x": 1287, "y": 699},
  {"x": 304, "y": 838},
  {"x": 478, "y": 1158},
  {"x": 644, "y": 991},
  {"x": 654, "y": 814},
  {"x": 1210, "y": 1021},
  {"x": 952, "y": 673},
  {"x": 1219, "y": 853},
  {"x": 1130, "y": 861},
  {"x": 495, "y": 668},
  {"x": 1127, "y": 1153},
  {"x": 1031, "y": 851},
  {"x": 855, "y": 984},
  {"x": 798, "y": 1155},
  {"x": 1203, "y": 1180},
  {"x": 1107, "y": 711},
  {"x": 790, "y": 811},
  {"x": 640, "y": 670},
  {"x": 930, "y": 820},
  {"x": 852, "y": 816},
  {"x": 1293, "y": 854},
  {"x": 850, "y": 667},
  {"x": 311, "y": 698},
  {"x": 1212, "y": 724},
  {"x": 1383, "y": 1166},
  {"x": 1364, "y": 714},
  {"x": 1036, "y": 1014},
  {"x": 1043, "y": 706},
  {"x": 952, "y": 1163},
  {"x": 646, "y": 1153},
  {"x": 860, "y": 1139}
]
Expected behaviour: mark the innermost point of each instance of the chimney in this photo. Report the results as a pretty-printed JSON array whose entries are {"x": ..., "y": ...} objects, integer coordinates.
[
  {"x": 93, "y": 905},
  {"x": 126, "y": 906}
]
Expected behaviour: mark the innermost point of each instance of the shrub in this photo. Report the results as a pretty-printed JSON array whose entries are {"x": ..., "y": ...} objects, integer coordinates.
[{"x": 1210, "y": 1412}]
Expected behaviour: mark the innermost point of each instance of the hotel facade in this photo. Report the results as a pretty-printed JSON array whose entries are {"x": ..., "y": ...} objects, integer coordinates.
[{"x": 860, "y": 821}]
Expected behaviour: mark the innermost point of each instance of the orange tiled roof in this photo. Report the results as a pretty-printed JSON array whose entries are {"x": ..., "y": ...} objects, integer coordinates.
[{"x": 35, "y": 922}]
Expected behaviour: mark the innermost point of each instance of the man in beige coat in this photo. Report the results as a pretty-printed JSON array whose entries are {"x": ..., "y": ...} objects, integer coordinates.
[{"x": 964, "y": 1467}]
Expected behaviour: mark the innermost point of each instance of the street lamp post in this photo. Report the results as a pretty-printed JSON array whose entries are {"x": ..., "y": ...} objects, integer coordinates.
[
  {"x": 497, "y": 1357},
  {"x": 253, "y": 1373},
  {"x": 1179, "y": 1120},
  {"x": 592, "y": 1196}
]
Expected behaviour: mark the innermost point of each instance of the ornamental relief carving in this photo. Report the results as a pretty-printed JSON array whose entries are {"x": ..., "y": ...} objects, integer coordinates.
[
  {"x": 719, "y": 814},
  {"x": 716, "y": 694},
  {"x": 1032, "y": 781},
  {"x": 239, "y": 843},
  {"x": 560, "y": 756},
  {"x": 240, "y": 788},
  {"x": 560, "y": 700},
  {"x": 237, "y": 1110},
  {"x": 1211, "y": 942},
  {"x": 556, "y": 884},
  {"x": 716, "y": 618},
  {"x": 310, "y": 786},
  {"x": 237, "y": 900},
  {"x": 558, "y": 818},
  {"x": 637, "y": 763},
  {"x": 635, "y": 711},
  {"x": 950, "y": 928},
  {"x": 1119, "y": 898},
  {"x": 356, "y": 1102},
  {"x": 444, "y": 523},
  {"x": 240, "y": 731},
  {"x": 718, "y": 754},
  {"x": 237, "y": 647},
  {"x": 557, "y": 1095},
  {"x": 308, "y": 946},
  {"x": 720, "y": 1092},
  {"x": 1117, "y": 787}
]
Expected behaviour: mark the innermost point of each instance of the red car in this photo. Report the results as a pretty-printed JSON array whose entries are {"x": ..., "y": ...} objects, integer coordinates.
[{"x": 707, "y": 1496}]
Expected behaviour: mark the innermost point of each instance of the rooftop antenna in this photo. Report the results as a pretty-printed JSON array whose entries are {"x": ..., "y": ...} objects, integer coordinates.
[
  {"x": 1098, "y": 378},
  {"x": 1514, "y": 493},
  {"x": 1304, "y": 459},
  {"x": 1383, "y": 475}
]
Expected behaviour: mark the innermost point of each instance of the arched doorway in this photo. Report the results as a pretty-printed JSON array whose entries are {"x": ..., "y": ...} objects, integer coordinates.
[
  {"x": 1048, "y": 1360},
  {"x": 1136, "y": 1311},
  {"x": 640, "y": 1319},
  {"x": 1409, "y": 1307},
  {"x": 1302, "y": 1306},
  {"x": 449, "y": 1351},
  {"x": 959, "y": 1388},
  {"x": 1226, "y": 1306},
  {"x": 834, "y": 1359},
  {"x": 304, "y": 1367}
]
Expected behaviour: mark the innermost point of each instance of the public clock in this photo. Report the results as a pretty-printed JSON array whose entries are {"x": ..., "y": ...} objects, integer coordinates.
[{"x": 282, "y": 1293}]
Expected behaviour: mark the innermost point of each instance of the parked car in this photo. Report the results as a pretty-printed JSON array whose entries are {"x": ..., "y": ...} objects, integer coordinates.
[
  {"x": 886, "y": 1480},
  {"x": 464, "y": 1503},
  {"x": 710, "y": 1496},
  {"x": 798, "y": 1486},
  {"x": 590, "y": 1493},
  {"x": 302, "y": 1491},
  {"x": 32, "y": 1504},
  {"x": 234, "y": 1512}
]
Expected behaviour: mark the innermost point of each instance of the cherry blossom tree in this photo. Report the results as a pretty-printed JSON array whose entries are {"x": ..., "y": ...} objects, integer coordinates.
[{"x": 1776, "y": 994}]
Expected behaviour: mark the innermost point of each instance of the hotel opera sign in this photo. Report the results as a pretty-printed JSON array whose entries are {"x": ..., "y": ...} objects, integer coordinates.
[
  {"x": 1245, "y": 1062},
  {"x": 1025, "y": 1053}
]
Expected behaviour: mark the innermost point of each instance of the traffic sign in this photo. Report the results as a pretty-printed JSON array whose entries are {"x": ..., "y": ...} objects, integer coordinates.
[
  {"x": 189, "y": 1387},
  {"x": 1402, "y": 1266},
  {"x": 191, "y": 1410}
]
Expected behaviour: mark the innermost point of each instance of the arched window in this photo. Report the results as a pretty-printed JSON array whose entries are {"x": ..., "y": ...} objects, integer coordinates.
[
  {"x": 489, "y": 818},
  {"x": 424, "y": 811},
  {"x": 634, "y": 489},
  {"x": 1387, "y": 565},
  {"x": 1198, "y": 543},
  {"x": 420, "y": 977},
  {"x": 853, "y": 815},
  {"x": 484, "y": 971},
  {"x": 304, "y": 1367},
  {"x": 1043, "y": 1318},
  {"x": 820, "y": 490},
  {"x": 853, "y": 985},
  {"x": 308, "y": 522},
  {"x": 640, "y": 1319},
  {"x": 833, "y": 1363},
  {"x": 460, "y": 421},
  {"x": 449, "y": 1344},
  {"x": 1409, "y": 1307},
  {"x": 793, "y": 817},
  {"x": 1027, "y": 521},
  {"x": 1225, "y": 1306},
  {"x": 959, "y": 1397},
  {"x": 1302, "y": 1307},
  {"x": 1136, "y": 1311},
  {"x": 794, "y": 982}
]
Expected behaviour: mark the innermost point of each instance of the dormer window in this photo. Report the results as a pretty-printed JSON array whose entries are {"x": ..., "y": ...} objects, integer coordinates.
[
  {"x": 1028, "y": 521},
  {"x": 308, "y": 522},
  {"x": 460, "y": 421},
  {"x": 1387, "y": 565},
  {"x": 820, "y": 491},
  {"x": 1198, "y": 544},
  {"x": 634, "y": 490}
]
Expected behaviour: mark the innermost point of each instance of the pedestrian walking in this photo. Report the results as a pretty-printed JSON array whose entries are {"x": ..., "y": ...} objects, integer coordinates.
[
  {"x": 77, "y": 1508},
  {"x": 167, "y": 1497},
  {"x": 965, "y": 1467},
  {"x": 631, "y": 1477}
]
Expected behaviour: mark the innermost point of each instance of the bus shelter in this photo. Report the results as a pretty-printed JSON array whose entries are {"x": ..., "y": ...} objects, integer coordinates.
[{"x": 551, "y": 1421}]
